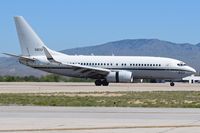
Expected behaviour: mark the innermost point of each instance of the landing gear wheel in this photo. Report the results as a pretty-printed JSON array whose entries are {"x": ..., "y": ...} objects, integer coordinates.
[
  {"x": 98, "y": 82},
  {"x": 172, "y": 84},
  {"x": 105, "y": 82}
]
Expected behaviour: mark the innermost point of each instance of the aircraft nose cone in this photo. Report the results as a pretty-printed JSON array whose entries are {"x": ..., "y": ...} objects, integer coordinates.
[{"x": 192, "y": 70}]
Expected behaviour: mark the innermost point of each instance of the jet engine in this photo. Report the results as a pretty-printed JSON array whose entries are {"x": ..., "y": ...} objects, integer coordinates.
[{"x": 121, "y": 76}]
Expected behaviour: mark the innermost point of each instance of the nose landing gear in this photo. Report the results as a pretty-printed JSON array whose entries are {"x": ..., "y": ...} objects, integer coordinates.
[{"x": 172, "y": 84}]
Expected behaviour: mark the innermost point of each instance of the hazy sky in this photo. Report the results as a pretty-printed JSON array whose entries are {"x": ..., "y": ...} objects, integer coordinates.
[{"x": 66, "y": 24}]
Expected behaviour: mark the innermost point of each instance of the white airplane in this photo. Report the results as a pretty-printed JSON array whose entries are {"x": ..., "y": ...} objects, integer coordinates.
[{"x": 104, "y": 69}]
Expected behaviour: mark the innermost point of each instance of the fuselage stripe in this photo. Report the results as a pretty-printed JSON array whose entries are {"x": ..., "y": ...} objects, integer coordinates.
[{"x": 155, "y": 69}]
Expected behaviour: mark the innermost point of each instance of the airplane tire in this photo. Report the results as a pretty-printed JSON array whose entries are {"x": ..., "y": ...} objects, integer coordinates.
[
  {"x": 105, "y": 83},
  {"x": 98, "y": 82},
  {"x": 172, "y": 84}
]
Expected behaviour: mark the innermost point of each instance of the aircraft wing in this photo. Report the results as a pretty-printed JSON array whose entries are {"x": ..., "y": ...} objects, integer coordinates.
[
  {"x": 84, "y": 71},
  {"x": 80, "y": 70},
  {"x": 89, "y": 71}
]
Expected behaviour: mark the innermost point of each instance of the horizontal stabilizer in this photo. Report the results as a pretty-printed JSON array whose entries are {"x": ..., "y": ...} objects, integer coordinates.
[
  {"x": 13, "y": 55},
  {"x": 20, "y": 57}
]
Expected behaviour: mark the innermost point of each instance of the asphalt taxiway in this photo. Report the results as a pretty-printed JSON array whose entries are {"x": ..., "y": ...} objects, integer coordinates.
[
  {"x": 38, "y": 87},
  {"x": 98, "y": 120}
]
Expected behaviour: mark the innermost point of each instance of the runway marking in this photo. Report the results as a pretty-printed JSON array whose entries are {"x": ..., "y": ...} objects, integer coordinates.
[{"x": 96, "y": 128}]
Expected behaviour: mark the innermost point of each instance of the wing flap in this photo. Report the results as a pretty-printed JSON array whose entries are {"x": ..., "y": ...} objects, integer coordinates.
[{"x": 86, "y": 71}]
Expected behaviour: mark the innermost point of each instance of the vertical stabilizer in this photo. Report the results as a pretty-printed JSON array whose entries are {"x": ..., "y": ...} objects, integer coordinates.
[{"x": 31, "y": 44}]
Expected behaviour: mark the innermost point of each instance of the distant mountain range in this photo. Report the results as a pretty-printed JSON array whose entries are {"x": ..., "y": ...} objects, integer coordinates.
[
  {"x": 186, "y": 52},
  {"x": 10, "y": 66}
]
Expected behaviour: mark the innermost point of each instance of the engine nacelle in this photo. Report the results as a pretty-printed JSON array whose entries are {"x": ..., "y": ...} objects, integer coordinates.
[{"x": 120, "y": 77}]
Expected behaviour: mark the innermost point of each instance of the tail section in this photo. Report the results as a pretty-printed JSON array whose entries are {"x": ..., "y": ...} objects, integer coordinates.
[{"x": 31, "y": 44}]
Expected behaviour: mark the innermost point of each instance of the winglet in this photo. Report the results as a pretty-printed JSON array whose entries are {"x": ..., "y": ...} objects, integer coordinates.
[{"x": 49, "y": 56}]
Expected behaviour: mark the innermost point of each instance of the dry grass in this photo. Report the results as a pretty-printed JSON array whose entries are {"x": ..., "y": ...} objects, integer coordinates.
[{"x": 109, "y": 99}]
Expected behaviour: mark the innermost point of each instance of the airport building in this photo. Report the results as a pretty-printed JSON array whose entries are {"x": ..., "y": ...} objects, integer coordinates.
[{"x": 192, "y": 79}]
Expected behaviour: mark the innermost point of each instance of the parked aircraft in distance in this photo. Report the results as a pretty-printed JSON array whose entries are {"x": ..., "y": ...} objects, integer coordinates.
[{"x": 104, "y": 69}]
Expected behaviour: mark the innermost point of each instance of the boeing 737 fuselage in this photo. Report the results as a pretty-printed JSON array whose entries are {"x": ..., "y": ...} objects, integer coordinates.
[{"x": 105, "y": 69}]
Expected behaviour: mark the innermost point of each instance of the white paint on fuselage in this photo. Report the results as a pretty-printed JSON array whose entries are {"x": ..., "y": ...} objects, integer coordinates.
[{"x": 147, "y": 67}]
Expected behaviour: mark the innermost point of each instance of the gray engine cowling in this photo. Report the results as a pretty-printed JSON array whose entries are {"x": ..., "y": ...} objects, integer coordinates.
[{"x": 120, "y": 76}]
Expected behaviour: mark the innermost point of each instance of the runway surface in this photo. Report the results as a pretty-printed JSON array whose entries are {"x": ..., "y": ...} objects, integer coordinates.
[
  {"x": 38, "y": 87},
  {"x": 98, "y": 120}
]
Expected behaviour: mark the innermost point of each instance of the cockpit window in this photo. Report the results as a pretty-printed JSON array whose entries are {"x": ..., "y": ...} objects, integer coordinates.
[{"x": 181, "y": 64}]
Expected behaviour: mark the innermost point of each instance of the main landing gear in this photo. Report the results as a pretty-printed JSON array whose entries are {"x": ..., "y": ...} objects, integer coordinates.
[
  {"x": 100, "y": 82},
  {"x": 172, "y": 84}
]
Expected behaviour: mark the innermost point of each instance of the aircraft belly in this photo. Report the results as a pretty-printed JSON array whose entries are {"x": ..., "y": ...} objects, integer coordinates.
[{"x": 158, "y": 74}]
